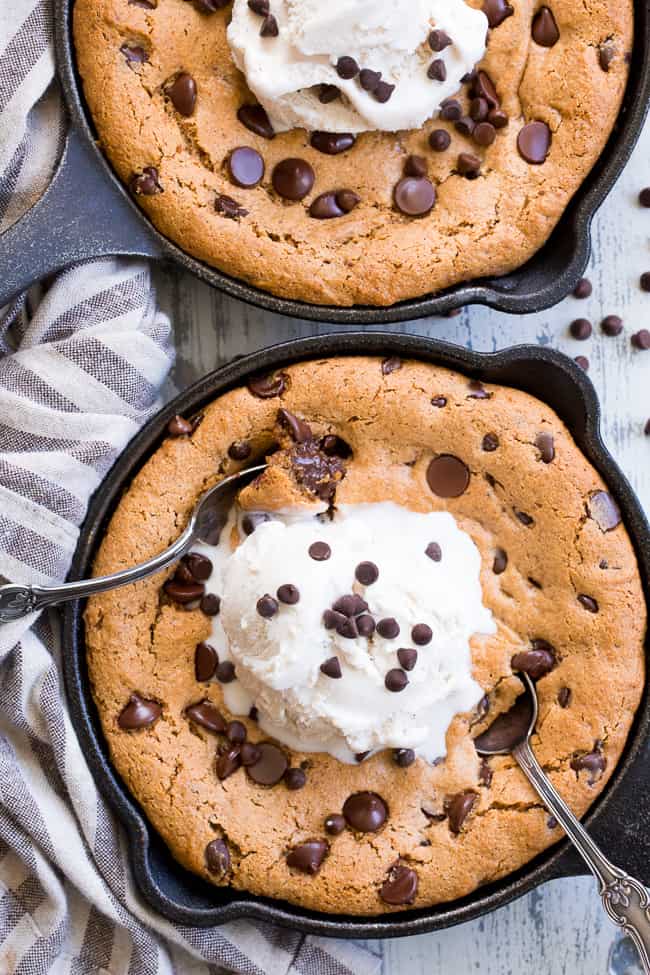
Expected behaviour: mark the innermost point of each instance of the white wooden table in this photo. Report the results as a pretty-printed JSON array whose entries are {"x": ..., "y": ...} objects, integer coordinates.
[{"x": 558, "y": 929}]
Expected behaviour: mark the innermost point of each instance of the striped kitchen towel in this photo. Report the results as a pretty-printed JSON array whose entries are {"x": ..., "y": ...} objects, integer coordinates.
[{"x": 81, "y": 365}]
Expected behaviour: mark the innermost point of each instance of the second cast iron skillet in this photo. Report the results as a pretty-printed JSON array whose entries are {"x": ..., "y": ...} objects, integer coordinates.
[{"x": 87, "y": 213}]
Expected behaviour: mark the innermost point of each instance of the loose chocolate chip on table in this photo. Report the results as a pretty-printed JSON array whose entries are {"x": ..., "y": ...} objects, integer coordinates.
[
  {"x": 206, "y": 660},
  {"x": 545, "y": 30},
  {"x": 392, "y": 363},
  {"x": 536, "y": 662},
  {"x": 138, "y": 713},
  {"x": 266, "y": 387},
  {"x": 439, "y": 140},
  {"x": 365, "y": 812},
  {"x": 332, "y": 668},
  {"x": 583, "y": 289},
  {"x": 603, "y": 510},
  {"x": 400, "y": 886},
  {"x": 271, "y": 765},
  {"x": 255, "y": 119},
  {"x": 564, "y": 697},
  {"x": 288, "y": 594},
  {"x": 545, "y": 443},
  {"x": 332, "y": 143},
  {"x": 437, "y": 70},
  {"x": 414, "y": 196},
  {"x": 207, "y": 716},
  {"x": 228, "y": 762},
  {"x": 295, "y": 779},
  {"x": 496, "y": 11},
  {"x": 183, "y": 593},
  {"x": 388, "y": 628},
  {"x": 246, "y": 167},
  {"x": 500, "y": 562},
  {"x": 580, "y": 329},
  {"x": 335, "y": 824},
  {"x": 448, "y": 476},
  {"x": 217, "y": 857},
  {"x": 582, "y": 361},
  {"x": 210, "y": 604},
  {"x": 644, "y": 197},
  {"x": 490, "y": 442},
  {"x": 250, "y": 753},
  {"x": 236, "y": 732},
  {"x": 485, "y": 774},
  {"x": 421, "y": 634},
  {"x": 468, "y": 165},
  {"x": 267, "y": 606},
  {"x": 641, "y": 340},
  {"x": 458, "y": 808},
  {"x": 588, "y": 602},
  {"x": 308, "y": 856},
  {"x": 395, "y": 680},
  {"x": 134, "y": 54},
  {"x": 434, "y": 551},
  {"x": 534, "y": 142},
  {"x": 145, "y": 183},
  {"x": 225, "y": 672},
  {"x": 293, "y": 178},
  {"x": 239, "y": 450},
  {"x": 593, "y": 762},
  {"x": 347, "y": 67},
  {"x": 182, "y": 92},
  {"x": 227, "y": 207},
  {"x": 403, "y": 757},
  {"x": 366, "y": 573},
  {"x": 644, "y": 281},
  {"x": 408, "y": 657}
]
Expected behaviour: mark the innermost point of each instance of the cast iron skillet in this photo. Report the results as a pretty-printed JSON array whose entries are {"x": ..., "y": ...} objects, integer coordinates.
[
  {"x": 88, "y": 213},
  {"x": 618, "y": 821}
]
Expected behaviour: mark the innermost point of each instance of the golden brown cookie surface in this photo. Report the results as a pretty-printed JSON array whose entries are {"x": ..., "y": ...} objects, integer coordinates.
[
  {"x": 129, "y": 53},
  {"x": 558, "y": 572}
]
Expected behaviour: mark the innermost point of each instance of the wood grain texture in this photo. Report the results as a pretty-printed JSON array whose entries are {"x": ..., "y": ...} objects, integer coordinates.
[{"x": 558, "y": 929}]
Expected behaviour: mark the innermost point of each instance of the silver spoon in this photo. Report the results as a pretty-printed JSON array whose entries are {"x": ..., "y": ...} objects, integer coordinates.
[
  {"x": 625, "y": 899},
  {"x": 207, "y": 520}
]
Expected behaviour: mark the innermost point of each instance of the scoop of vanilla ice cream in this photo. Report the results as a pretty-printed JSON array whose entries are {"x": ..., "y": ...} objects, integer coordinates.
[
  {"x": 278, "y": 660},
  {"x": 389, "y": 36}
]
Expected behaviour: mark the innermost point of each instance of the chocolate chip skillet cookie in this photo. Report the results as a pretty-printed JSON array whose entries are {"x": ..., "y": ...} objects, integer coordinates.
[
  {"x": 355, "y": 151},
  {"x": 294, "y": 704}
]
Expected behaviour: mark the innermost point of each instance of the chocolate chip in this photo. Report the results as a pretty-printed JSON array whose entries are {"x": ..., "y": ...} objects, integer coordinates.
[
  {"x": 644, "y": 197},
  {"x": 450, "y": 110},
  {"x": 393, "y": 362},
  {"x": 545, "y": 443},
  {"x": 246, "y": 167},
  {"x": 146, "y": 183},
  {"x": 269, "y": 27},
  {"x": 347, "y": 67},
  {"x": 641, "y": 340},
  {"x": 483, "y": 87},
  {"x": 332, "y": 143},
  {"x": 484, "y": 134},
  {"x": 478, "y": 109},
  {"x": 335, "y": 824},
  {"x": 465, "y": 125},
  {"x": 271, "y": 765},
  {"x": 217, "y": 857},
  {"x": 458, "y": 808},
  {"x": 606, "y": 54},
  {"x": 434, "y": 551},
  {"x": 295, "y": 779},
  {"x": 366, "y": 573},
  {"x": 255, "y": 119},
  {"x": 178, "y": 426},
  {"x": 227, "y": 207},
  {"x": 388, "y": 628},
  {"x": 332, "y": 619},
  {"x": 335, "y": 447},
  {"x": 403, "y": 757},
  {"x": 534, "y": 142},
  {"x": 308, "y": 856},
  {"x": 183, "y": 593},
  {"x": 299, "y": 429},
  {"x": 267, "y": 606},
  {"x": 319, "y": 551},
  {"x": 400, "y": 886},
  {"x": 500, "y": 562},
  {"x": 564, "y": 697},
  {"x": 580, "y": 329},
  {"x": 200, "y": 566},
  {"x": 210, "y": 604},
  {"x": 365, "y": 625},
  {"x": 288, "y": 594},
  {"x": 182, "y": 92},
  {"x": 485, "y": 774},
  {"x": 612, "y": 325},
  {"x": 545, "y": 30},
  {"x": 365, "y": 812},
  {"x": 350, "y": 605},
  {"x": 644, "y": 281},
  {"x": 138, "y": 713},
  {"x": 421, "y": 634},
  {"x": 134, "y": 54},
  {"x": 582, "y": 361},
  {"x": 437, "y": 70},
  {"x": 236, "y": 732},
  {"x": 250, "y": 753},
  {"x": 490, "y": 442},
  {"x": 225, "y": 672},
  {"x": 408, "y": 657},
  {"x": 439, "y": 140},
  {"x": 293, "y": 178},
  {"x": 253, "y": 714},
  {"x": 448, "y": 476},
  {"x": 602, "y": 509},
  {"x": 439, "y": 40},
  {"x": 524, "y": 518},
  {"x": 536, "y": 662},
  {"x": 414, "y": 196},
  {"x": 396, "y": 680},
  {"x": 498, "y": 118},
  {"x": 478, "y": 390},
  {"x": 206, "y": 660},
  {"x": 332, "y": 668},
  {"x": 439, "y": 401},
  {"x": 334, "y": 204},
  {"x": 496, "y": 11},
  {"x": 207, "y": 716},
  {"x": 239, "y": 450},
  {"x": 369, "y": 80},
  {"x": 593, "y": 762},
  {"x": 583, "y": 289},
  {"x": 266, "y": 387},
  {"x": 588, "y": 602},
  {"x": 227, "y": 762},
  {"x": 468, "y": 165},
  {"x": 328, "y": 93}
]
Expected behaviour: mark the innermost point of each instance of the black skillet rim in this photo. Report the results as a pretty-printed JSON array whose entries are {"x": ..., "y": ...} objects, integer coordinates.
[
  {"x": 496, "y": 293},
  {"x": 156, "y": 888}
]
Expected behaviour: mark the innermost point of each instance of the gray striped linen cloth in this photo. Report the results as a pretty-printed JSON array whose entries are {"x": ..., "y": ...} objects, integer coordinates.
[{"x": 81, "y": 365}]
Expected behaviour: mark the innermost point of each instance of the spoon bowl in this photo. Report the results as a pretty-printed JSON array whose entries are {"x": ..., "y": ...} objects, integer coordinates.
[{"x": 513, "y": 727}]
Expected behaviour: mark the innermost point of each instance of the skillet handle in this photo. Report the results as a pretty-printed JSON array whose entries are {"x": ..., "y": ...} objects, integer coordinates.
[{"x": 80, "y": 216}]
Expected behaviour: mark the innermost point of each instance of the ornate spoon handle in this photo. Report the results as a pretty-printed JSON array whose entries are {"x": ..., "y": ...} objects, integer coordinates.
[
  {"x": 18, "y": 601},
  {"x": 624, "y": 898}
]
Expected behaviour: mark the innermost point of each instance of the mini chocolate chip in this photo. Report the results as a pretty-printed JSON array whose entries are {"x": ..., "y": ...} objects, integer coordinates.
[
  {"x": 500, "y": 562},
  {"x": 458, "y": 808},
  {"x": 255, "y": 119},
  {"x": 228, "y": 762},
  {"x": 439, "y": 140},
  {"x": 207, "y": 716},
  {"x": 552, "y": 822},
  {"x": 239, "y": 450},
  {"x": 388, "y": 628},
  {"x": 328, "y": 93},
  {"x": 335, "y": 824},
  {"x": 178, "y": 426},
  {"x": 580, "y": 329},
  {"x": 332, "y": 619},
  {"x": 604, "y": 511},
  {"x": 183, "y": 593},
  {"x": 293, "y": 178},
  {"x": 347, "y": 200},
  {"x": 490, "y": 442},
  {"x": 612, "y": 325},
  {"x": 439, "y": 401},
  {"x": 146, "y": 183},
  {"x": 641, "y": 340},
  {"x": 250, "y": 753},
  {"x": 295, "y": 779},
  {"x": 421, "y": 634},
  {"x": 400, "y": 886},
  {"x": 479, "y": 109},
  {"x": 332, "y": 668},
  {"x": 484, "y": 134},
  {"x": 593, "y": 762},
  {"x": 606, "y": 54},
  {"x": 483, "y": 87},
  {"x": 468, "y": 165},
  {"x": 206, "y": 660},
  {"x": 439, "y": 40},
  {"x": 524, "y": 518},
  {"x": 583, "y": 289},
  {"x": 582, "y": 361},
  {"x": 437, "y": 70},
  {"x": 347, "y": 629},
  {"x": 536, "y": 662},
  {"x": 368, "y": 79},
  {"x": 478, "y": 390},
  {"x": 225, "y": 672},
  {"x": 332, "y": 143},
  {"x": 350, "y": 605},
  {"x": 269, "y": 27},
  {"x": 267, "y": 606},
  {"x": 271, "y": 765},
  {"x": 534, "y": 142},
  {"x": 545, "y": 30},
  {"x": 299, "y": 429},
  {"x": 347, "y": 67},
  {"x": 182, "y": 93},
  {"x": 236, "y": 732},
  {"x": 496, "y": 11},
  {"x": 366, "y": 573},
  {"x": 246, "y": 167},
  {"x": 414, "y": 196},
  {"x": 227, "y": 207},
  {"x": 393, "y": 362},
  {"x": 450, "y": 110},
  {"x": 408, "y": 657},
  {"x": 269, "y": 386},
  {"x": 325, "y": 207},
  {"x": 365, "y": 812},
  {"x": 498, "y": 118},
  {"x": 564, "y": 697},
  {"x": 465, "y": 125},
  {"x": 308, "y": 856},
  {"x": 395, "y": 680},
  {"x": 138, "y": 713},
  {"x": 434, "y": 551},
  {"x": 448, "y": 476},
  {"x": 260, "y": 7},
  {"x": 403, "y": 757},
  {"x": 365, "y": 625},
  {"x": 589, "y": 603},
  {"x": 217, "y": 857},
  {"x": 210, "y": 604},
  {"x": 288, "y": 594},
  {"x": 134, "y": 54},
  {"x": 545, "y": 443}
]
